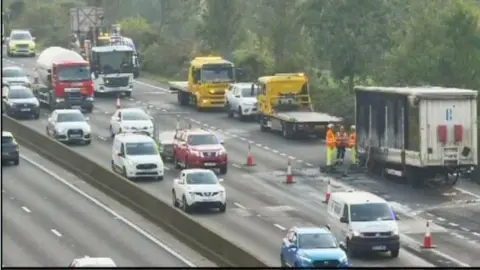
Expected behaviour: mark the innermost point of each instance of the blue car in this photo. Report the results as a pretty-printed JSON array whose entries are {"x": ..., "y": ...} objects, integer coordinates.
[{"x": 312, "y": 248}]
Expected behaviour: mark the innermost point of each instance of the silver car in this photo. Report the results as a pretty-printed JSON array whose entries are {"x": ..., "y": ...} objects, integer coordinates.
[
  {"x": 69, "y": 126},
  {"x": 15, "y": 76}
]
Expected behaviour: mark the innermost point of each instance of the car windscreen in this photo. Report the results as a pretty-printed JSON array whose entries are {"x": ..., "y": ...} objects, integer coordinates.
[
  {"x": 6, "y": 140},
  {"x": 21, "y": 36},
  {"x": 74, "y": 74},
  {"x": 70, "y": 117},
  {"x": 116, "y": 62},
  {"x": 202, "y": 139},
  {"x": 217, "y": 73},
  {"x": 316, "y": 240},
  {"x": 135, "y": 116},
  {"x": 13, "y": 72},
  {"x": 370, "y": 212},
  {"x": 202, "y": 178},
  {"x": 20, "y": 94},
  {"x": 247, "y": 92},
  {"x": 139, "y": 149}
]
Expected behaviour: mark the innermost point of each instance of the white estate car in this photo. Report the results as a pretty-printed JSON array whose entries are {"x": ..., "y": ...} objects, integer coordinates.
[
  {"x": 136, "y": 156},
  {"x": 93, "y": 262},
  {"x": 69, "y": 125},
  {"x": 198, "y": 188},
  {"x": 241, "y": 99},
  {"x": 131, "y": 120}
]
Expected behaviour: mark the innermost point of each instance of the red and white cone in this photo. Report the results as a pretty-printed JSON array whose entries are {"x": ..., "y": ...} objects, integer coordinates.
[
  {"x": 289, "y": 173},
  {"x": 427, "y": 239},
  {"x": 118, "y": 105},
  {"x": 329, "y": 192},
  {"x": 250, "y": 159}
]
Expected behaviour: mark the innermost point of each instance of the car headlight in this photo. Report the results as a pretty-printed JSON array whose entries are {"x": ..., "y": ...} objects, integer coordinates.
[
  {"x": 395, "y": 231},
  {"x": 87, "y": 129},
  {"x": 131, "y": 163},
  {"x": 305, "y": 259},
  {"x": 222, "y": 152},
  {"x": 343, "y": 259},
  {"x": 13, "y": 104},
  {"x": 355, "y": 233},
  {"x": 31, "y": 45},
  {"x": 192, "y": 193},
  {"x": 61, "y": 130},
  {"x": 195, "y": 153}
]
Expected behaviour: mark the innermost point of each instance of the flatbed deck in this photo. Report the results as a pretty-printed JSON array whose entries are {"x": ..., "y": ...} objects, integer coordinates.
[
  {"x": 178, "y": 85},
  {"x": 307, "y": 117}
]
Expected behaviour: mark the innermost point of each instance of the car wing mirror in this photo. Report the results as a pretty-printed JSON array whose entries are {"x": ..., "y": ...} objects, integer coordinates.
[
  {"x": 222, "y": 142},
  {"x": 342, "y": 245},
  {"x": 120, "y": 154},
  {"x": 344, "y": 220},
  {"x": 87, "y": 118},
  {"x": 33, "y": 38},
  {"x": 221, "y": 180},
  {"x": 151, "y": 117}
]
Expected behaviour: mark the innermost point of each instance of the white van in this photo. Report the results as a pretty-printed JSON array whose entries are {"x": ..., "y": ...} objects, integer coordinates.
[
  {"x": 365, "y": 221},
  {"x": 136, "y": 156}
]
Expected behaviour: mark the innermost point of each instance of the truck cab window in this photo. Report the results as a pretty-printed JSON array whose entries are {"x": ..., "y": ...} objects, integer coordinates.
[
  {"x": 195, "y": 75},
  {"x": 345, "y": 212}
]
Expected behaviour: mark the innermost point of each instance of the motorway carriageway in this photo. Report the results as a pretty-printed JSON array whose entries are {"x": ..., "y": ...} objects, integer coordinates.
[
  {"x": 51, "y": 217},
  {"x": 261, "y": 206}
]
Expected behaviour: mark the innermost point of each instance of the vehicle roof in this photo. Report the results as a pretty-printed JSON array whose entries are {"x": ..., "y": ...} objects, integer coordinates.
[
  {"x": 243, "y": 84},
  {"x": 357, "y": 197},
  {"x": 18, "y": 87},
  {"x": 198, "y": 131},
  {"x": 7, "y": 134},
  {"x": 200, "y": 61},
  {"x": 283, "y": 77},
  {"x": 61, "y": 111},
  {"x": 127, "y": 110},
  {"x": 94, "y": 261},
  {"x": 418, "y": 90},
  {"x": 133, "y": 138},
  {"x": 20, "y": 31},
  {"x": 188, "y": 171},
  {"x": 12, "y": 68},
  {"x": 110, "y": 48},
  {"x": 308, "y": 230}
]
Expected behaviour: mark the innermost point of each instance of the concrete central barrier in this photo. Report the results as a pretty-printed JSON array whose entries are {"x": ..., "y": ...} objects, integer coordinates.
[{"x": 209, "y": 244}]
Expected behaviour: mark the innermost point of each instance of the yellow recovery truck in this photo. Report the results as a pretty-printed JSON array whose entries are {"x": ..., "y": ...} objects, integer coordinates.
[
  {"x": 285, "y": 105},
  {"x": 208, "y": 79}
]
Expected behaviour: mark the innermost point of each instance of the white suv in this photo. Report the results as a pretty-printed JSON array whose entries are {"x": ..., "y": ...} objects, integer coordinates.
[
  {"x": 136, "y": 156},
  {"x": 93, "y": 262},
  {"x": 241, "y": 99},
  {"x": 198, "y": 188}
]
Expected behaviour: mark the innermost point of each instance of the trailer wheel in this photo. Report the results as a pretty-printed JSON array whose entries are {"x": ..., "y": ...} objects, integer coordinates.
[
  {"x": 451, "y": 177},
  {"x": 182, "y": 98},
  {"x": 262, "y": 121},
  {"x": 414, "y": 177},
  {"x": 286, "y": 131}
]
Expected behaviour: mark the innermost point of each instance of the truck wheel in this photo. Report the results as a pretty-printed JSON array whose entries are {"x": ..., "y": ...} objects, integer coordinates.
[
  {"x": 128, "y": 94},
  {"x": 175, "y": 162},
  {"x": 282, "y": 262},
  {"x": 229, "y": 110},
  {"x": 51, "y": 105},
  {"x": 16, "y": 161},
  {"x": 174, "y": 199},
  {"x": 413, "y": 178},
  {"x": 394, "y": 253},
  {"x": 263, "y": 127},
  {"x": 224, "y": 169},
  {"x": 182, "y": 98},
  {"x": 240, "y": 114},
  {"x": 286, "y": 132},
  {"x": 185, "y": 206}
]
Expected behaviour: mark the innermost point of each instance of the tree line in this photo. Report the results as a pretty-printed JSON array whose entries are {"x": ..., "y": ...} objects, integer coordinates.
[{"x": 338, "y": 43}]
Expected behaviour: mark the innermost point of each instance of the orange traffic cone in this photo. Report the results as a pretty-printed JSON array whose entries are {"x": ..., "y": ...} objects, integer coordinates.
[
  {"x": 289, "y": 173},
  {"x": 329, "y": 192},
  {"x": 427, "y": 240},
  {"x": 118, "y": 105},
  {"x": 250, "y": 159}
]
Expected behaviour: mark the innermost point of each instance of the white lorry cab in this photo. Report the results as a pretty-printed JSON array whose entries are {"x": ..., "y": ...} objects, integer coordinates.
[
  {"x": 365, "y": 221},
  {"x": 136, "y": 156},
  {"x": 112, "y": 69}
]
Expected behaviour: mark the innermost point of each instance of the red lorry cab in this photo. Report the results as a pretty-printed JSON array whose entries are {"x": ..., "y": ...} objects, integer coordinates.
[
  {"x": 199, "y": 149},
  {"x": 67, "y": 76}
]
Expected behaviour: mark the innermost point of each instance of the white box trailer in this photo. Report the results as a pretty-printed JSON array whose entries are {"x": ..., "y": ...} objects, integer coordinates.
[{"x": 417, "y": 133}]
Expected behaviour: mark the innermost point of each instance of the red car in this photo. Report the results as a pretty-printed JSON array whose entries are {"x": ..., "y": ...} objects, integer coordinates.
[{"x": 199, "y": 149}]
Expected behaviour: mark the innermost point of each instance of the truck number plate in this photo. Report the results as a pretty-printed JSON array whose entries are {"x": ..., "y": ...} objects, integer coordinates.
[
  {"x": 379, "y": 248},
  {"x": 75, "y": 136},
  {"x": 210, "y": 164},
  {"x": 25, "y": 109}
]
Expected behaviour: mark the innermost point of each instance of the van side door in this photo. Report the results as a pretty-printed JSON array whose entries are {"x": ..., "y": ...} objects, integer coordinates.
[
  {"x": 121, "y": 156},
  {"x": 346, "y": 214}
]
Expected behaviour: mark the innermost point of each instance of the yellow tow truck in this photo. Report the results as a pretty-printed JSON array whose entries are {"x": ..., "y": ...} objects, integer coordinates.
[
  {"x": 208, "y": 79},
  {"x": 284, "y": 104}
]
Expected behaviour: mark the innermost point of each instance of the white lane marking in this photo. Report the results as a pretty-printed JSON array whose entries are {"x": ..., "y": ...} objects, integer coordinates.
[
  {"x": 283, "y": 154},
  {"x": 237, "y": 166},
  {"x": 280, "y": 227},
  {"x": 24, "y": 208},
  {"x": 430, "y": 215},
  {"x": 259, "y": 144},
  {"x": 56, "y": 233},
  {"x": 465, "y": 229},
  {"x": 111, "y": 212},
  {"x": 476, "y": 234},
  {"x": 468, "y": 192},
  {"x": 239, "y": 206},
  {"x": 299, "y": 161},
  {"x": 251, "y": 142},
  {"x": 309, "y": 164},
  {"x": 266, "y": 148},
  {"x": 152, "y": 86},
  {"x": 292, "y": 158},
  {"x": 241, "y": 138},
  {"x": 275, "y": 151},
  {"x": 453, "y": 224},
  {"x": 440, "y": 219}
]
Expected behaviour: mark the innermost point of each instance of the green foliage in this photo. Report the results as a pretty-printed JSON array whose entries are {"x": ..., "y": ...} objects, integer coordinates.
[{"x": 338, "y": 43}]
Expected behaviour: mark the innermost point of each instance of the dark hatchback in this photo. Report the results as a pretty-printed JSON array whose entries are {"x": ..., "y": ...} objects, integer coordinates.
[
  {"x": 10, "y": 151},
  {"x": 19, "y": 101}
]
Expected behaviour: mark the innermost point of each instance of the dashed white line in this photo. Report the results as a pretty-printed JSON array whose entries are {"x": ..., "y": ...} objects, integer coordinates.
[
  {"x": 56, "y": 233},
  {"x": 236, "y": 166},
  {"x": 26, "y": 209},
  {"x": 241, "y": 138},
  {"x": 453, "y": 224},
  {"x": 292, "y": 158},
  {"x": 251, "y": 142},
  {"x": 440, "y": 219},
  {"x": 259, "y": 145},
  {"x": 299, "y": 161},
  {"x": 476, "y": 234},
  {"x": 275, "y": 151},
  {"x": 309, "y": 164},
  {"x": 283, "y": 154},
  {"x": 430, "y": 215},
  {"x": 280, "y": 227},
  {"x": 266, "y": 148},
  {"x": 234, "y": 135},
  {"x": 239, "y": 206},
  {"x": 465, "y": 229}
]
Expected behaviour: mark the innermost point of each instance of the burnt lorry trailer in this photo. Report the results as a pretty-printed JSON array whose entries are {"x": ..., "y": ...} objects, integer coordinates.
[{"x": 422, "y": 134}]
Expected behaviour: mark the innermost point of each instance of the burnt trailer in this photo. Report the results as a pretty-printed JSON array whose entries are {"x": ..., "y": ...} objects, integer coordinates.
[{"x": 418, "y": 133}]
